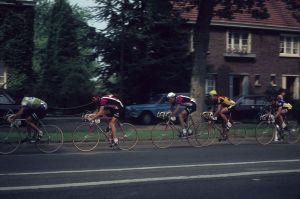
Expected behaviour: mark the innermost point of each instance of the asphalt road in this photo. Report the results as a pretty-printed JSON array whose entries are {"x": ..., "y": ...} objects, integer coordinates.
[{"x": 219, "y": 171}]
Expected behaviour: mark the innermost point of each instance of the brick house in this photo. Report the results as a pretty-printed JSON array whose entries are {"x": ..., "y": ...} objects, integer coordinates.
[
  {"x": 26, "y": 8},
  {"x": 247, "y": 55}
]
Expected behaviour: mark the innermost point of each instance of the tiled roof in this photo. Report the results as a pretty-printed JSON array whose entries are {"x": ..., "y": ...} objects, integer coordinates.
[{"x": 280, "y": 17}]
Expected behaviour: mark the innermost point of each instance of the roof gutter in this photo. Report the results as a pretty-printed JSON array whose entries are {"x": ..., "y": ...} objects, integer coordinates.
[{"x": 252, "y": 26}]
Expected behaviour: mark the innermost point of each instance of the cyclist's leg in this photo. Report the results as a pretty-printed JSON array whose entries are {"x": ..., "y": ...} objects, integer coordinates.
[
  {"x": 26, "y": 115},
  {"x": 112, "y": 126},
  {"x": 182, "y": 117},
  {"x": 115, "y": 114},
  {"x": 223, "y": 112},
  {"x": 278, "y": 116},
  {"x": 34, "y": 117}
]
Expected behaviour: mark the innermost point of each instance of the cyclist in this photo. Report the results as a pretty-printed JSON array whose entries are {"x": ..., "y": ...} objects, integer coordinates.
[
  {"x": 176, "y": 102},
  {"x": 281, "y": 107},
  {"x": 112, "y": 107},
  {"x": 32, "y": 108},
  {"x": 220, "y": 106}
]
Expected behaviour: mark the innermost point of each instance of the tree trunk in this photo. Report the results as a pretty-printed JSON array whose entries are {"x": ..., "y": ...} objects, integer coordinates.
[{"x": 201, "y": 42}]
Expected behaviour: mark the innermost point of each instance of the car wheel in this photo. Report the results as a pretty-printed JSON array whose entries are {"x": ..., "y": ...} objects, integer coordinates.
[{"x": 146, "y": 118}]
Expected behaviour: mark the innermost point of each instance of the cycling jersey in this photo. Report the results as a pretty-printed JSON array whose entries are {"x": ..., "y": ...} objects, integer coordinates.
[
  {"x": 111, "y": 102},
  {"x": 225, "y": 101},
  {"x": 33, "y": 103},
  {"x": 184, "y": 100},
  {"x": 279, "y": 102},
  {"x": 33, "y": 107}
]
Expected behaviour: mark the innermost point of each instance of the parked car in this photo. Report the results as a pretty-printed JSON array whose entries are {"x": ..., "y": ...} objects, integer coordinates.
[
  {"x": 248, "y": 107},
  {"x": 146, "y": 113},
  {"x": 7, "y": 103}
]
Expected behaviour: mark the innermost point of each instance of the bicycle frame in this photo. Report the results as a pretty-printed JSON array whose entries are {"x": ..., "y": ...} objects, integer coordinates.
[
  {"x": 234, "y": 135},
  {"x": 126, "y": 134},
  {"x": 48, "y": 142}
]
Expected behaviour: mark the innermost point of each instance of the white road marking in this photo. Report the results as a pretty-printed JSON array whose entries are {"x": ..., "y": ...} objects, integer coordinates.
[
  {"x": 143, "y": 180},
  {"x": 148, "y": 168}
]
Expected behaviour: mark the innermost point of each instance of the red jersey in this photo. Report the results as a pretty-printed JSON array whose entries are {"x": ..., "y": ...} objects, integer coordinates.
[
  {"x": 111, "y": 102},
  {"x": 184, "y": 100}
]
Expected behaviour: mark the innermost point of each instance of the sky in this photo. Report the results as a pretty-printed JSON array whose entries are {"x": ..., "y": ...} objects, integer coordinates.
[{"x": 88, "y": 3}]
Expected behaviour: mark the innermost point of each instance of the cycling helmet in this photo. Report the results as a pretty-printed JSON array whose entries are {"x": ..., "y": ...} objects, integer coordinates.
[
  {"x": 213, "y": 92},
  {"x": 171, "y": 94}
]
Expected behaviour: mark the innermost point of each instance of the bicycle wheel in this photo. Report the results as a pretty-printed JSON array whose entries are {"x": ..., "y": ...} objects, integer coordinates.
[
  {"x": 265, "y": 132},
  {"x": 200, "y": 135},
  {"x": 192, "y": 133},
  {"x": 51, "y": 140},
  {"x": 162, "y": 135},
  {"x": 292, "y": 134},
  {"x": 207, "y": 133},
  {"x": 127, "y": 136},
  {"x": 10, "y": 139},
  {"x": 86, "y": 137},
  {"x": 236, "y": 134}
]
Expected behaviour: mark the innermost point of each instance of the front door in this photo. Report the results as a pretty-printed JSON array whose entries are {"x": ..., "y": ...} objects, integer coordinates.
[
  {"x": 292, "y": 84},
  {"x": 238, "y": 85}
]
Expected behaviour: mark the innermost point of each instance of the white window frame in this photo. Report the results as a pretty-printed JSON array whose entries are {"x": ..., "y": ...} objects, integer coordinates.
[
  {"x": 241, "y": 49},
  {"x": 294, "y": 45}
]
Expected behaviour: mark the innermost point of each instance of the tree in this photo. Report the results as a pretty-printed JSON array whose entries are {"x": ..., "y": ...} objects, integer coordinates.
[
  {"x": 143, "y": 47},
  {"x": 16, "y": 46},
  {"x": 66, "y": 55}
]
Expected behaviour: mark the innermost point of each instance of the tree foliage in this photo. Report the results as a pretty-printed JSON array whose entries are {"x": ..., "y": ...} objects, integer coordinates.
[
  {"x": 16, "y": 46},
  {"x": 65, "y": 53},
  {"x": 144, "y": 47}
]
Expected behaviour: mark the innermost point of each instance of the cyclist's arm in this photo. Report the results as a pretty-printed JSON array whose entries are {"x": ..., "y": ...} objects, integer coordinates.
[
  {"x": 100, "y": 113},
  {"x": 211, "y": 109},
  {"x": 218, "y": 110},
  {"x": 18, "y": 114},
  {"x": 176, "y": 110}
]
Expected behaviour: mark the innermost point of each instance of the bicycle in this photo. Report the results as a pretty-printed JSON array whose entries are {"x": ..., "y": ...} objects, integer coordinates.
[
  {"x": 12, "y": 136},
  {"x": 234, "y": 135},
  {"x": 163, "y": 134},
  {"x": 87, "y": 135},
  {"x": 268, "y": 129}
]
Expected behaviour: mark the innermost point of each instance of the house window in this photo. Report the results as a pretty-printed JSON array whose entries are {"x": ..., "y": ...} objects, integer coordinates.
[
  {"x": 257, "y": 80},
  {"x": 238, "y": 42},
  {"x": 273, "y": 80},
  {"x": 210, "y": 84},
  {"x": 290, "y": 45}
]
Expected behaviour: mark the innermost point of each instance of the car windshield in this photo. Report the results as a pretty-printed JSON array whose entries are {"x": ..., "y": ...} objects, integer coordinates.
[{"x": 157, "y": 98}]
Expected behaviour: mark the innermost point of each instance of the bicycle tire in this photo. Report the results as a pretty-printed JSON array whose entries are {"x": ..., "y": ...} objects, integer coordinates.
[
  {"x": 10, "y": 139},
  {"x": 208, "y": 133},
  {"x": 86, "y": 137},
  {"x": 200, "y": 136},
  {"x": 127, "y": 136},
  {"x": 52, "y": 139},
  {"x": 292, "y": 135},
  {"x": 237, "y": 134},
  {"x": 265, "y": 132},
  {"x": 192, "y": 133},
  {"x": 162, "y": 135}
]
